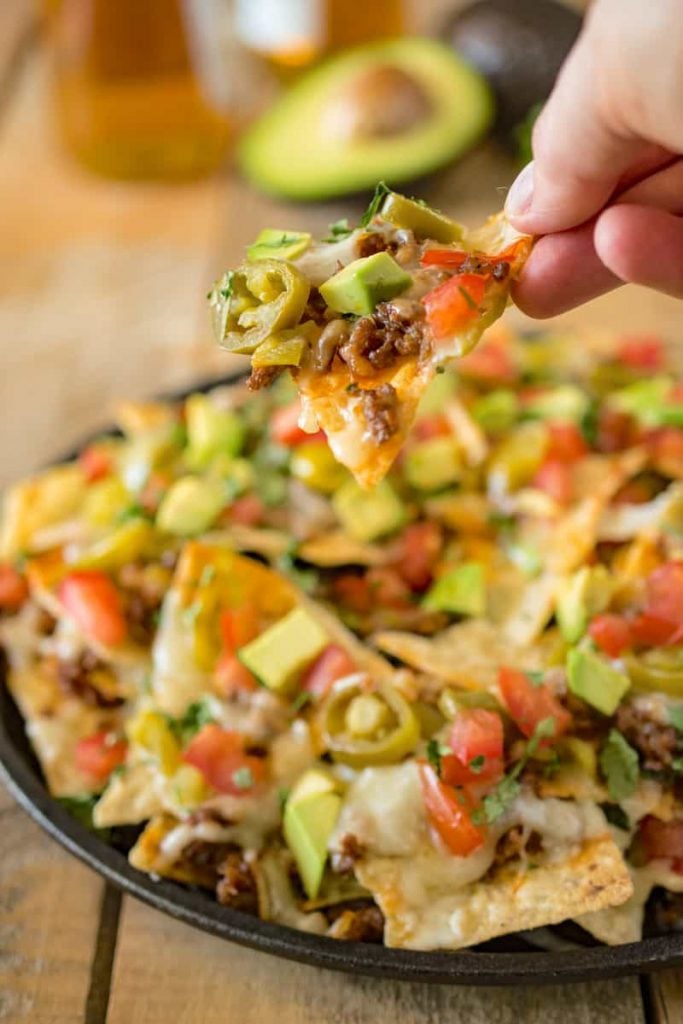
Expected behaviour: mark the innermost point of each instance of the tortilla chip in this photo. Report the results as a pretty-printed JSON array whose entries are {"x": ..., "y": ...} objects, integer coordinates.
[
  {"x": 511, "y": 900},
  {"x": 337, "y": 549},
  {"x": 147, "y": 855},
  {"x": 42, "y": 501},
  {"x": 616, "y": 925},
  {"x": 467, "y": 654},
  {"x": 131, "y": 797}
]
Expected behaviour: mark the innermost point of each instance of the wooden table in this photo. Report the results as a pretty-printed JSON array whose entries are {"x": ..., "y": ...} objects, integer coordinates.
[{"x": 101, "y": 295}]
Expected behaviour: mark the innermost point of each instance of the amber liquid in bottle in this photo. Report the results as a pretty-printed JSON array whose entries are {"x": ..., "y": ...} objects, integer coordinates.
[{"x": 137, "y": 90}]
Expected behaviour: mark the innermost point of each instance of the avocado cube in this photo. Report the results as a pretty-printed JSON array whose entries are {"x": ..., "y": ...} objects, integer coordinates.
[
  {"x": 440, "y": 390},
  {"x": 211, "y": 431},
  {"x": 566, "y": 403},
  {"x": 307, "y": 825},
  {"x": 462, "y": 591},
  {"x": 585, "y": 594},
  {"x": 434, "y": 464},
  {"x": 360, "y": 286},
  {"x": 367, "y": 515},
  {"x": 190, "y": 505},
  {"x": 275, "y": 244},
  {"x": 595, "y": 680},
  {"x": 497, "y": 412},
  {"x": 278, "y": 656},
  {"x": 421, "y": 219},
  {"x": 312, "y": 782}
]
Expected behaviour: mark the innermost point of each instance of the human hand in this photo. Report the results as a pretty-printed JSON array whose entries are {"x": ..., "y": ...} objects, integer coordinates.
[{"x": 605, "y": 189}]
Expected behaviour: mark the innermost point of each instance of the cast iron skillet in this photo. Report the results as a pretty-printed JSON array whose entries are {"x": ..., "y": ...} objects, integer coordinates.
[{"x": 514, "y": 960}]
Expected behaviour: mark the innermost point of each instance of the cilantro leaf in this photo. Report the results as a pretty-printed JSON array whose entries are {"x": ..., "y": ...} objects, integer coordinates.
[
  {"x": 589, "y": 424},
  {"x": 477, "y": 764},
  {"x": 300, "y": 701},
  {"x": 434, "y": 755},
  {"x": 616, "y": 816},
  {"x": 676, "y": 718},
  {"x": 495, "y": 804},
  {"x": 381, "y": 191},
  {"x": 619, "y": 765},
  {"x": 243, "y": 778},
  {"x": 338, "y": 230},
  {"x": 535, "y": 678},
  {"x": 677, "y": 764},
  {"x": 81, "y": 808},
  {"x": 198, "y": 714}
]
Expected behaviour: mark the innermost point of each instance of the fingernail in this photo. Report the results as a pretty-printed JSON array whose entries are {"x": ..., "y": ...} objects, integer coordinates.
[{"x": 521, "y": 193}]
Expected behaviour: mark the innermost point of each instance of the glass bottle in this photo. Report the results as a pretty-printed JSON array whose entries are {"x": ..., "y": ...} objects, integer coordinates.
[
  {"x": 141, "y": 85},
  {"x": 292, "y": 34}
]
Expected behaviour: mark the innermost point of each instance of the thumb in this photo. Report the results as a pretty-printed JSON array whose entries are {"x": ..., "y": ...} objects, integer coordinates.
[{"x": 579, "y": 155}]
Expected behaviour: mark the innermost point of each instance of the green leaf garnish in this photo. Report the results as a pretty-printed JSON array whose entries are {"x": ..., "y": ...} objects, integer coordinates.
[
  {"x": 619, "y": 765},
  {"x": 535, "y": 678},
  {"x": 477, "y": 763},
  {"x": 243, "y": 778},
  {"x": 381, "y": 191},
  {"x": 676, "y": 718},
  {"x": 198, "y": 714},
  {"x": 339, "y": 229},
  {"x": 81, "y": 808},
  {"x": 495, "y": 804},
  {"x": 616, "y": 816},
  {"x": 300, "y": 701},
  {"x": 434, "y": 755}
]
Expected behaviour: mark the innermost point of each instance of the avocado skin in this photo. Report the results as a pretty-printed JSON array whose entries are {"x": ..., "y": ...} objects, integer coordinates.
[{"x": 519, "y": 47}]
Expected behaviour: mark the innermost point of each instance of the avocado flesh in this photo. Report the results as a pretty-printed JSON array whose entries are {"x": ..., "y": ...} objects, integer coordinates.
[
  {"x": 462, "y": 591},
  {"x": 307, "y": 825},
  {"x": 594, "y": 680},
  {"x": 292, "y": 150},
  {"x": 279, "y": 655},
  {"x": 367, "y": 515},
  {"x": 359, "y": 287},
  {"x": 434, "y": 464}
]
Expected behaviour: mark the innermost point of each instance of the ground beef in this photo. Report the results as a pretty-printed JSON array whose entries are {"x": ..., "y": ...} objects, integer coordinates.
[
  {"x": 316, "y": 308},
  {"x": 655, "y": 740},
  {"x": 75, "y": 678},
  {"x": 380, "y": 408},
  {"x": 142, "y": 590},
  {"x": 236, "y": 886},
  {"x": 368, "y": 245},
  {"x": 513, "y": 844},
  {"x": 350, "y": 850},
  {"x": 361, "y": 922},
  {"x": 478, "y": 264},
  {"x": 206, "y": 856},
  {"x": 263, "y": 377},
  {"x": 376, "y": 342}
]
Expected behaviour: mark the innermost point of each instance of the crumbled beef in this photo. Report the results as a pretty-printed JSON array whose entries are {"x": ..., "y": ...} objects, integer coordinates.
[
  {"x": 376, "y": 342},
  {"x": 369, "y": 244},
  {"x": 350, "y": 850},
  {"x": 76, "y": 679},
  {"x": 360, "y": 922},
  {"x": 236, "y": 886},
  {"x": 45, "y": 623},
  {"x": 380, "y": 408},
  {"x": 203, "y": 814},
  {"x": 206, "y": 856},
  {"x": 514, "y": 844},
  {"x": 655, "y": 740},
  {"x": 316, "y": 308},
  {"x": 142, "y": 590},
  {"x": 263, "y": 377}
]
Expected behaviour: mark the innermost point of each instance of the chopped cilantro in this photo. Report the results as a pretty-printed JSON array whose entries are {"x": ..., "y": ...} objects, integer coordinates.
[
  {"x": 495, "y": 804},
  {"x": 300, "y": 701},
  {"x": 243, "y": 778},
  {"x": 477, "y": 763},
  {"x": 467, "y": 297},
  {"x": 588, "y": 424},
  {"x": 282, "y": 797},
  {"x": 677, "y": 764},
  {"x": 619, "y": 765},
  {"x": 198, "y": 714},
  {"x": 81, "y": 808},
  {"x": 434, "y": 755},
  {"x": 279, "y": 243},
  {"x": 132, "y": 511},
  {"x": 676, "y": 718},
  {"x": 616, "y": 816},
  {"x": 535, "y": 678},
  {"x": 306, "y": 579},
  {"x": 375, "y": 205},
  {"x": 338, "y": 230}
]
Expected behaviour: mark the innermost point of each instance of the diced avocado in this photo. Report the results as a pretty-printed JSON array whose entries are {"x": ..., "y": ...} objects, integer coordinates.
[
  {"x": 125, "y": 544},
  {"x": 565, "y": 403},
  {"x": 421, "y": 219},
  {"x": 593, "y": 679},
  {"x": 367, "y": 515},
  {"x": 496, "y": 412},
  {"x": 360, "y": 286},
  {"x": 191, "y": 505},
  {"x": 585, "y": 594},
  {"x": 272, "y": 243},
  {"x": 434, "y": 464},
  {"x": 462, "y": 591},
  {"x": 313, "y": 781},
  {"x": 308, "y": 824},
  {"x": 328, "y": 135},
  {"x": 104, "y": 501},
  {"x": 315, "y": 466},
  {"x": 440, "y": 389},
  {"x": 452, "y": 702},
  {"x": 211, "y": 431},
  {"x": 644, "y": 398},
  {"x": 278, "y": 656}
]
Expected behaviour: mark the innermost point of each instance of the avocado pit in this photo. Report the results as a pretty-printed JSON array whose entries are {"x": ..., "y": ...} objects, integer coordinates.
[{"x": 378, "y": 103}]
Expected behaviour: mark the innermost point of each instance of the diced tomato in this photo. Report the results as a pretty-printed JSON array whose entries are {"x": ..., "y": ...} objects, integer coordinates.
[
  {"x": 233, "y": 677},
  {"x": 95, "y": 462},
  {"x": 419, "y": 549},
  {"x": 642, "y": 352},
  {"x": 454, "y": 304},
  {"x": 453, "y": 258},
  {"x": 98, "y": 755},
  {"x": 661, "y": 840},
  {"x": 387, "y": 588},
  {"x": 450, "y": 814},
  {"x": 285, "y": 429},
  {"x": 333, "y": 664},
  {"x": 248, "y": 510},
  {"x": 490, "y": 362},
  {"x": 649, "y": 630},
  {"x": 611, "y": 633},
  {"x": 666, "y": 446},
  {"x": 220, "y": 756},
  {"x": 476, "y": 732},
  {"x": 555, "y": 479},
  {"x": 432, "y": 426},
  {"x": 677, "y": 392},
  {"x": 455, "y": 773},
  {"x": 566, "y": 442},
  {"x": 13, "y": 588},
  {"x": 638, "y": 491},
  {"x": 529, "y": 704},
  {"x": 238, "y": 626},
  {"x": 665, "y": 592},
  {"x": 353, "y": 591},
  {"x": 94, "y": 603}
]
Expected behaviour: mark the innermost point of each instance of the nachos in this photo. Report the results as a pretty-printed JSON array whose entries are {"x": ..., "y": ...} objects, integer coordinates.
[
  {"x": 364, "y": 319},
  {"x": 427, "y": 714}
]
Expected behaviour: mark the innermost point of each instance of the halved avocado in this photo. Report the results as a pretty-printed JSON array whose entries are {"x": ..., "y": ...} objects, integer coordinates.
[{"x": 393, "y": 111}]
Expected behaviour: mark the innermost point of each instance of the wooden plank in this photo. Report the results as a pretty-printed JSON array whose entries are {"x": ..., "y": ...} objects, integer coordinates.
[
  {"x": 49, "y": 910},
  {"x": 167, "y": 971},
  {"x": 666, "y": 996}
]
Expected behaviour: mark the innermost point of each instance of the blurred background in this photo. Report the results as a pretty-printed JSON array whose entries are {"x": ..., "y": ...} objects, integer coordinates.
[{"x": 144, "y": 143}]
